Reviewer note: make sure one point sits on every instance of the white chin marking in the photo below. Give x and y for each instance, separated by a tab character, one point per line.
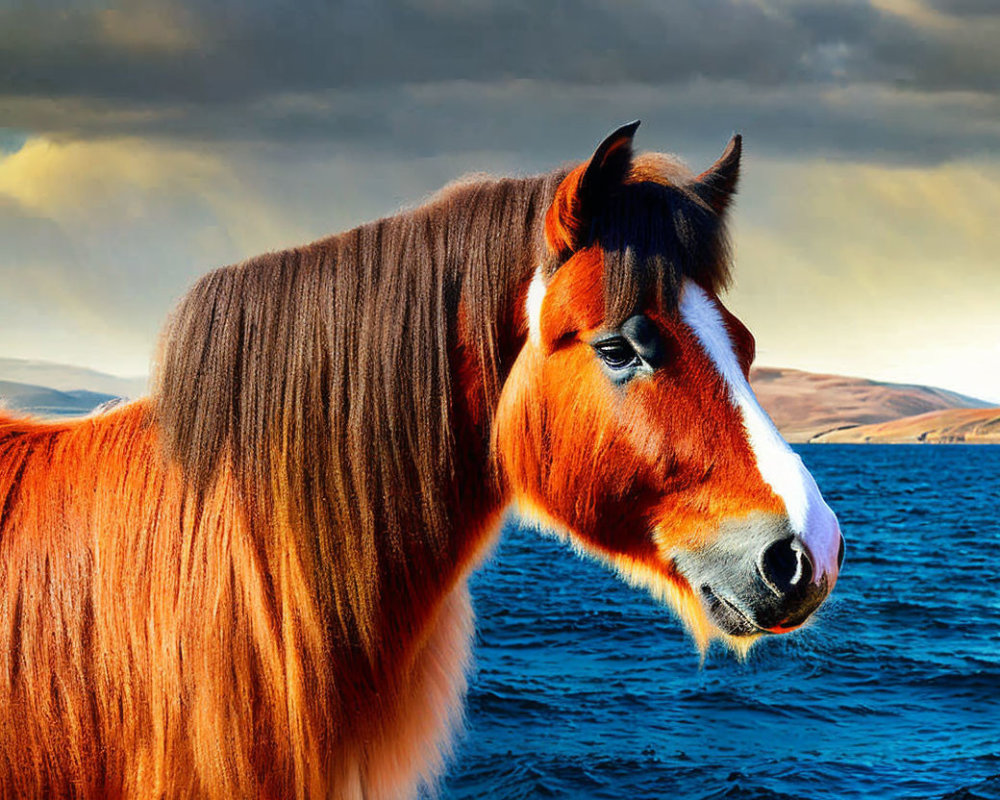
533	306
779	466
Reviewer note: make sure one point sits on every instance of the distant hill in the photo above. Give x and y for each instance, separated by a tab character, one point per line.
48	389
47	402
66	378
954	425
805	405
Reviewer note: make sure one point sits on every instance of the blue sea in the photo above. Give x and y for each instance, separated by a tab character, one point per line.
586	688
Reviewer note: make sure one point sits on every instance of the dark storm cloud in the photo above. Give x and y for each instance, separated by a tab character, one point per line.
548	123
249	50
429	76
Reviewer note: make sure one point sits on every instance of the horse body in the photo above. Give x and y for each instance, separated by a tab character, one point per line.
253	583
150	648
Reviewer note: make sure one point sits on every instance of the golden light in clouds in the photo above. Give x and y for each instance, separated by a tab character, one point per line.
58	178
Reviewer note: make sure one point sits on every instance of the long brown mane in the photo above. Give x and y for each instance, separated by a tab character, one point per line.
321	377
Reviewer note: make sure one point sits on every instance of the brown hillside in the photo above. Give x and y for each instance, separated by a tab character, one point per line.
804	404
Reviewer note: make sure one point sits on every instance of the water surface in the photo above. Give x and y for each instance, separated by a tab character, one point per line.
586	688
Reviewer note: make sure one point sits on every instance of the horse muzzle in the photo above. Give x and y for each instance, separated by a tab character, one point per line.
758	576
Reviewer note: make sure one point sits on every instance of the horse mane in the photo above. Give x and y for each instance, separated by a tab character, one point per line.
321	377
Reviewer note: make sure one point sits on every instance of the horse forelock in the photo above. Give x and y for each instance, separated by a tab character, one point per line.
653	237
653	233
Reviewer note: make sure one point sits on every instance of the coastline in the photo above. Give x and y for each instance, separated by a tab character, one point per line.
950	426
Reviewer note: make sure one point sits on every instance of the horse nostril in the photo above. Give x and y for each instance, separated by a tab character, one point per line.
784	565
840	553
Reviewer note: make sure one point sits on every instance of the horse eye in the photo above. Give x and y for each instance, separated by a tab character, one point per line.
617	353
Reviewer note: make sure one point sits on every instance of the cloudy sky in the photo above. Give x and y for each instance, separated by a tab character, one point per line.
145	143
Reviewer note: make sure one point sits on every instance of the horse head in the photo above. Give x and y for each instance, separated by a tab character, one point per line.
628	422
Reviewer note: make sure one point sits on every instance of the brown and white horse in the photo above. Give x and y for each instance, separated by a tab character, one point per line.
253	583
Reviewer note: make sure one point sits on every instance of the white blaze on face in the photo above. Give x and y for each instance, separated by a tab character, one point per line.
779	465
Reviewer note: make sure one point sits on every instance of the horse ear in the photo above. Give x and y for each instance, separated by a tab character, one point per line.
578	196
717	185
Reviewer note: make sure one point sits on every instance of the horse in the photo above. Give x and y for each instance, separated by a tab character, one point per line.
253	582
